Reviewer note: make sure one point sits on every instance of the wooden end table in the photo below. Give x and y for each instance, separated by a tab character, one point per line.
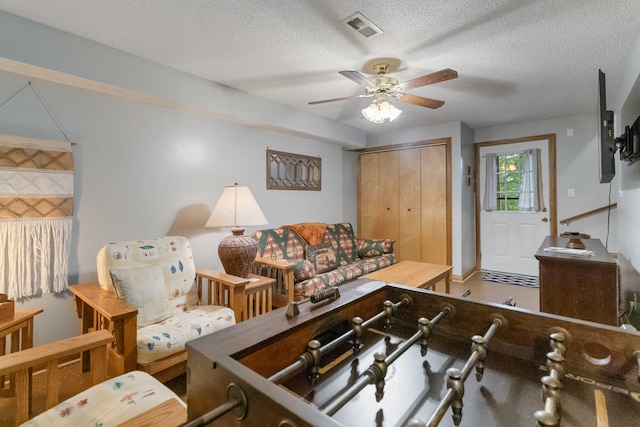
414	273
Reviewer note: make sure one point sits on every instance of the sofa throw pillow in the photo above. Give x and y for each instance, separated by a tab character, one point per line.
143	287
368	248
322	256
303	270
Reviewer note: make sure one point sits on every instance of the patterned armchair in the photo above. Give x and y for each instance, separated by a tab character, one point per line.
150	298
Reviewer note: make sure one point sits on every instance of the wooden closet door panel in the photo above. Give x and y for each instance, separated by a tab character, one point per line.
410	229
368	192
389	197
433	189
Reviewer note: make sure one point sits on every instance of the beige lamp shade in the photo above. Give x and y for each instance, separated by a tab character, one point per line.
236	208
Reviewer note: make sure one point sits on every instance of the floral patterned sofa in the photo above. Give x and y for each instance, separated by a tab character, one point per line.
307	257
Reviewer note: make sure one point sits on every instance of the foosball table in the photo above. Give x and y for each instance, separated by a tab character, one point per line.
379	354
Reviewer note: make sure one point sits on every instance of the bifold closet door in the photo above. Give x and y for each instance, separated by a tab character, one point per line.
379	196
434	210
403	197
368	196
409	244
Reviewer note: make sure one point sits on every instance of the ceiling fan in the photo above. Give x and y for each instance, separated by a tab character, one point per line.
384	86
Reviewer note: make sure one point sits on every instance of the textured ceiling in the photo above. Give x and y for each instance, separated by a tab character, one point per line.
517	60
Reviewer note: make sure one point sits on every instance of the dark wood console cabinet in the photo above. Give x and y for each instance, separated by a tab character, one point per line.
581	287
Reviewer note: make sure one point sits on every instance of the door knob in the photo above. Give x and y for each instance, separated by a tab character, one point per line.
545	219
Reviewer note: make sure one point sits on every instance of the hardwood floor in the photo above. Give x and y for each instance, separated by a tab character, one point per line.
527	298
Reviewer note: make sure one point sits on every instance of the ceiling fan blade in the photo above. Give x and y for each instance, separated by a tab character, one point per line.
339	99
359	78
437	77
421	101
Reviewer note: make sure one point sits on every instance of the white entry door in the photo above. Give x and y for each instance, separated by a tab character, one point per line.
509	239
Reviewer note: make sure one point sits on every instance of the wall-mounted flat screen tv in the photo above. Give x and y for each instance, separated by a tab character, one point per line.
606	140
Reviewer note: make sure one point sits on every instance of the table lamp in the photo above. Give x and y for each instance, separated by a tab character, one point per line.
236	208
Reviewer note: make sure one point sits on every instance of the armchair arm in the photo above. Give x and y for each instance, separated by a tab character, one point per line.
219	284
22	362
282	271
100	309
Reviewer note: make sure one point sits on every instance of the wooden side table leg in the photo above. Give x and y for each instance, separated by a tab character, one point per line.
27	342
447	282
15	347
86	313
27	335
3	351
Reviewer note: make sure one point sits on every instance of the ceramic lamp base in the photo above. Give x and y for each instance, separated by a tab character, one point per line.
237	253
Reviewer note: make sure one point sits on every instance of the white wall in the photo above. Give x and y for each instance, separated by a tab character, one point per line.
467	203
143	171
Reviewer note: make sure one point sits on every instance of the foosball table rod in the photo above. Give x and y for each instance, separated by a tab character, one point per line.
457	377
311	358
377	371
551	384
236	403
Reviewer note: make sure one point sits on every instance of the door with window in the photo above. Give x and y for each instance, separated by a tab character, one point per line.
514	204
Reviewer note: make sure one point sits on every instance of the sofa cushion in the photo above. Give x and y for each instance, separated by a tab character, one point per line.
368	248
280	243
171	253
341	274
109	403
342	237
322	256
303	270
143	287
170	336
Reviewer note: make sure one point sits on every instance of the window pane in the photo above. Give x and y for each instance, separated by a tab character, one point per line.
509	179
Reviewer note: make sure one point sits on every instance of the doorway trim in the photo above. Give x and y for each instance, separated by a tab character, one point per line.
553	209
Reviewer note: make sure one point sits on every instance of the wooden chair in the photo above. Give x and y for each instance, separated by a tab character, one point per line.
22	363
99	307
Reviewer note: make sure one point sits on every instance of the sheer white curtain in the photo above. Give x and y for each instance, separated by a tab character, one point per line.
531	198
490	202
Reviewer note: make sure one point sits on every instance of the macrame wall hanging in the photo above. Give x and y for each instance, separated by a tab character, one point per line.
36	212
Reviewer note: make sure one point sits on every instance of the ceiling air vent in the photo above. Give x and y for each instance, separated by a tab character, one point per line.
358	22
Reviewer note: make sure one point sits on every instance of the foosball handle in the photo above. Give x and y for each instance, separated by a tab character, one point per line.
292	310
356	324
456	383
632	353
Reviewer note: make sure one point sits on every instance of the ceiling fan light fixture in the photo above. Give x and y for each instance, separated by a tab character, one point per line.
379	111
